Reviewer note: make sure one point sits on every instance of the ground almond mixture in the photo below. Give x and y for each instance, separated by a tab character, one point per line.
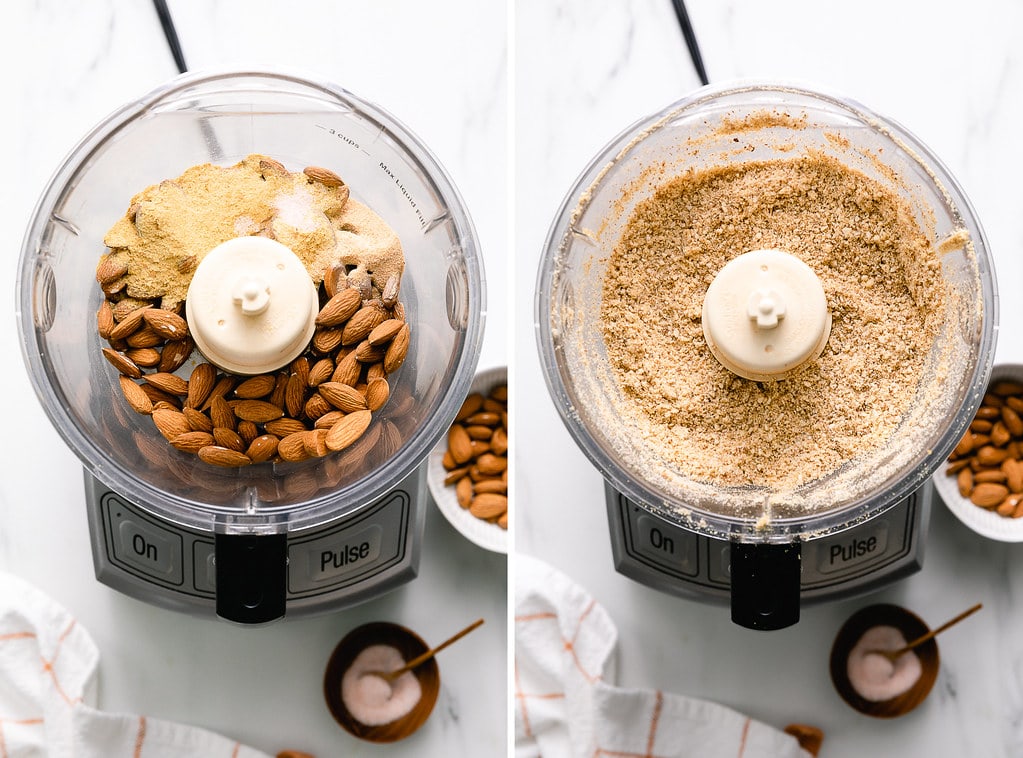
883	286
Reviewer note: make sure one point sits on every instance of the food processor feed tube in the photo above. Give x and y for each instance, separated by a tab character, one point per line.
765	316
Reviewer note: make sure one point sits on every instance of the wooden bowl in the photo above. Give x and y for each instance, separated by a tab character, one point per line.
911	627
410	645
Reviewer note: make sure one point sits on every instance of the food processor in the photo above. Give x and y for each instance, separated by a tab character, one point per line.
853	530
253	543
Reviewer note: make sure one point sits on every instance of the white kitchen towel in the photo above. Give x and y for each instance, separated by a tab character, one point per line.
566	703
48	666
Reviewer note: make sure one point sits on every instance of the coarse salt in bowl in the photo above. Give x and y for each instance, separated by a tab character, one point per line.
985	522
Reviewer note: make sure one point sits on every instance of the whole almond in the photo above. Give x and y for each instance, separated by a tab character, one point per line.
168	325
315	443
198	420
384	332
222	456
292	447
334	277
1000	433
270	166
171	383
490	464
248	431
965	446
171	423
256	387
263	448
122	363
339	308
316	406
470	405
991	475
158	396
484	418
457	475
389	296
280	390
464	491
322	175
347	371
480	432
377	393
200	384
320	372
366	353
174	355
224	385
488	505
105	319
988	412
988	495
500	393
294	395
192	442
258	411
136	397
459	444
490	485
1013	470
990	456
110	269
146	357
228	438
361	324
499	442
1012	421
221	413
145	336
328	419
342	397
284	427
346	431
397	350
326	340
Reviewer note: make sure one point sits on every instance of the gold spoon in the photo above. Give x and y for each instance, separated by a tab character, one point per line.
893	655
390	676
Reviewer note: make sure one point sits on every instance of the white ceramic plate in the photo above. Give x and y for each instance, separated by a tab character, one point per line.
483	533
982	521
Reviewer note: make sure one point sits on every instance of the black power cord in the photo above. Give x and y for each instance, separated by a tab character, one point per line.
171	34
690	37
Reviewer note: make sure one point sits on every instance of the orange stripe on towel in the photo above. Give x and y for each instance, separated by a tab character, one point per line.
742	741
658	705
17	636
140	737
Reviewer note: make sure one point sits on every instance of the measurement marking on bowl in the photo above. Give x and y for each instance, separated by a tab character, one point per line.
66	224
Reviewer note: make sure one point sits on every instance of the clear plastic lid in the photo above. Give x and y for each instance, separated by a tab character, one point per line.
221	118
724	125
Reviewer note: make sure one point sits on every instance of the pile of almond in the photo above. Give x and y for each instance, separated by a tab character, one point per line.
477	456
988	461
322	402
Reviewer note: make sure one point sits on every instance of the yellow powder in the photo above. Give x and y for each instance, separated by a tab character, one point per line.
171	226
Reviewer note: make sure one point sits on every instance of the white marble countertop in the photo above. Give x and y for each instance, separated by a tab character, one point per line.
951	74
64	67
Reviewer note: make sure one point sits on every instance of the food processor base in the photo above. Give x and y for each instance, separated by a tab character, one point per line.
353	558
861	559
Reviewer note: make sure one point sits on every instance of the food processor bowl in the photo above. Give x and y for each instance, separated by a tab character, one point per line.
723	125
221	117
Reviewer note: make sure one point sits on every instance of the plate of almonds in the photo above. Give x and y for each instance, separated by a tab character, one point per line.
468	470
982	481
